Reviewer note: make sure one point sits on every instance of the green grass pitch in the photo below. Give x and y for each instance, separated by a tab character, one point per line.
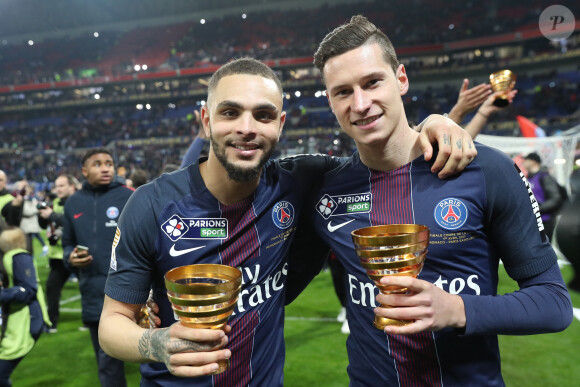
315	348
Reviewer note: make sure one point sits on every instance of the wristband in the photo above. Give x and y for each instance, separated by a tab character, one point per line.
478	112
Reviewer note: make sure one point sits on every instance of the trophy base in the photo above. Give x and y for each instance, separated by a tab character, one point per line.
382	322
222	366
501	102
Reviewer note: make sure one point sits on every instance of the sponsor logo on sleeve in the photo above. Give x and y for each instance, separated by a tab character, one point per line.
115	243
195	228
535	204
450	213
336	205
283	214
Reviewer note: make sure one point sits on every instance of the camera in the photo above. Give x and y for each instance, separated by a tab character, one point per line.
53	239
42	205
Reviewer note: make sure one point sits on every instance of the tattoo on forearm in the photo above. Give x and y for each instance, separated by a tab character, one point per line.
459	144
189	346
145	344
446	139
470	143
157	345
152	344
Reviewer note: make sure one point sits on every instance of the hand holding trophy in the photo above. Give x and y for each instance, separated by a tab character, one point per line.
394	249
502	81
204	296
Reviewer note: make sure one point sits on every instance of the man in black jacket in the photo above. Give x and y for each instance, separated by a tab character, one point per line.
90	221
50	217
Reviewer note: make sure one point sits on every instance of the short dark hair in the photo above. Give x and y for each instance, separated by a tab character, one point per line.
95	151
534	157
244	65
354	34
139	177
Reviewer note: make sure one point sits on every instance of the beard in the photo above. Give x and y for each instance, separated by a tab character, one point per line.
235	172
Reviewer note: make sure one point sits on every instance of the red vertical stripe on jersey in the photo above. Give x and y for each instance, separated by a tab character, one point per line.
239	373
415	355
242	242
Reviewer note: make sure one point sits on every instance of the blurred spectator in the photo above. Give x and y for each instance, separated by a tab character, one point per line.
24	315
486	109
89	225
468	100
29	223
50	217
137	178
10	205
546	190
568	230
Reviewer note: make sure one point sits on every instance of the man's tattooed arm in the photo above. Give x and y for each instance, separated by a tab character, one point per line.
157	345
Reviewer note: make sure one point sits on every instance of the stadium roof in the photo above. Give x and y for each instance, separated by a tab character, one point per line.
24	19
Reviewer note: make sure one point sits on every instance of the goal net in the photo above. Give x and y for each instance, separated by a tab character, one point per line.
557	152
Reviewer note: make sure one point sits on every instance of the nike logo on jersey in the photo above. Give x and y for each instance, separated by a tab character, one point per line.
76	216
332	228
177	253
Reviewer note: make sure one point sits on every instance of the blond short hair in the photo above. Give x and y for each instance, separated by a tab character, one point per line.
12	238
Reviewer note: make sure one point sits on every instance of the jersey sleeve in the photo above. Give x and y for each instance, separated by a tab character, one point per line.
193	152
513	218
541	305
133	250
513	223
307	256
309	169
308	251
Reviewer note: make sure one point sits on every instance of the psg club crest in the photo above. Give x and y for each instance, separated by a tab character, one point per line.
174	228
450	213
112	212
283	214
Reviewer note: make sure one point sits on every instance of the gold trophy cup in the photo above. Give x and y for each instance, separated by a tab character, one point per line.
204	296
503	81
394	249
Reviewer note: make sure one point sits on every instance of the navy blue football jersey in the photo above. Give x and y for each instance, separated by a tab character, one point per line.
175	221
475	219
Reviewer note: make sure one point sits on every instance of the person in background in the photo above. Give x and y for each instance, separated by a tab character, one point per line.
24	315
29	223
89	224
568	230
546	191
137	178
469	99
10	204
50	217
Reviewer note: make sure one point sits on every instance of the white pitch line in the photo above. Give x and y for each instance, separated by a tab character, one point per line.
71	310
316	319
69	300
577	313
